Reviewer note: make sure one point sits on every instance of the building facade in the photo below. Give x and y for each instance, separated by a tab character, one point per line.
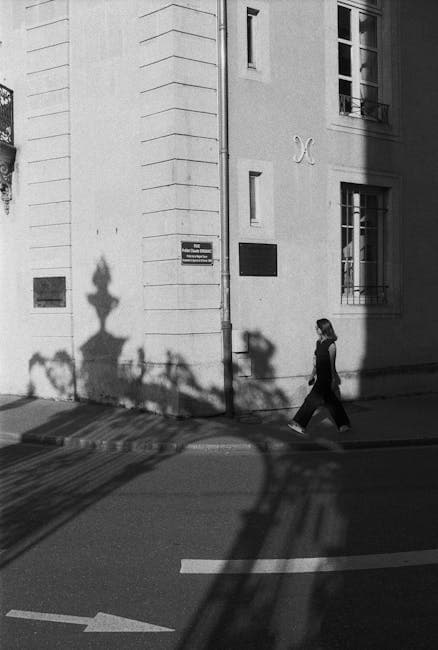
191	184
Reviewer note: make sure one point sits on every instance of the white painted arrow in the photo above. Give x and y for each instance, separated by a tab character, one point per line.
313	564
100	623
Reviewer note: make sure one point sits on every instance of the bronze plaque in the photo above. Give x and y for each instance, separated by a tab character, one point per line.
258	259
49	292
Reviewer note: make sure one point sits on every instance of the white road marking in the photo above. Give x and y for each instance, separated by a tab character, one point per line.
100	623
312	564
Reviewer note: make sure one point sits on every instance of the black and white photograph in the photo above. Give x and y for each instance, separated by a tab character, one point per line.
219	324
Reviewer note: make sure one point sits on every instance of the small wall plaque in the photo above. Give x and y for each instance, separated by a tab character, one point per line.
196	252
258	259
49	292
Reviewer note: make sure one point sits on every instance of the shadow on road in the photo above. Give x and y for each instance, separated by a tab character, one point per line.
296	512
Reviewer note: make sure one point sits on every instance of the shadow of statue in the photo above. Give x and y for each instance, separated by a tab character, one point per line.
99	378
257	389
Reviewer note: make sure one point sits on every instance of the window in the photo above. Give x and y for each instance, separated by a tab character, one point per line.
251	36
254	198
49	292
253	40
363	224
359	64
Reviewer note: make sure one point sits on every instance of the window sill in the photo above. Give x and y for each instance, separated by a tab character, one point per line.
50	310
368	311
364	126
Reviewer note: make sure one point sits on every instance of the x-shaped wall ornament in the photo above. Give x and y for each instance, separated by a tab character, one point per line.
304	150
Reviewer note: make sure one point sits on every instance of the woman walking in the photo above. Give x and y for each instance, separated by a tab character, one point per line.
325	387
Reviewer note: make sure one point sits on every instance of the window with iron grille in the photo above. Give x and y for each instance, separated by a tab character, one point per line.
359	62
363	226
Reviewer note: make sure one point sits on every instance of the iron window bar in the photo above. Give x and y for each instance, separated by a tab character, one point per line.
364	107
6	115
364	294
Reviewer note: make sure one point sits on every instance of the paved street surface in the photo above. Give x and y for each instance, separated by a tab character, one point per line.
89	531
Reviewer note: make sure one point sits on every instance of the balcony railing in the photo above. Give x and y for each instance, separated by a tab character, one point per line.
6	115
364	108
365	294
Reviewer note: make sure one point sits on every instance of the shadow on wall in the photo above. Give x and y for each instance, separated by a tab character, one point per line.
170	388
296	512
255	387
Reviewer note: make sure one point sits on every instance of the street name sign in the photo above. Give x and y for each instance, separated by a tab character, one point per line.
197	252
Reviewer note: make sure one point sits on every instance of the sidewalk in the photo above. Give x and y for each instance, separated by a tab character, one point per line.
400	421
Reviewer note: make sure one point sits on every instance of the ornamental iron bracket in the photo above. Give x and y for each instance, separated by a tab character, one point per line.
7	161
7	149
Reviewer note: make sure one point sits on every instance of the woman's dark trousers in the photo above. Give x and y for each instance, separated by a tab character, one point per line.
322	395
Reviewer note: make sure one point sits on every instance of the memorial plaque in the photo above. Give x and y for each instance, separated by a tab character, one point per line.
258	259
196	252
49	292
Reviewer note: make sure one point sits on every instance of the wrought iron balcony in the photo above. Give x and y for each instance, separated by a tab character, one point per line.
364	108
7	149
6	115
364	294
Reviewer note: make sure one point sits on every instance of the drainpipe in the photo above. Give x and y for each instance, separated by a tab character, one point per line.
224	206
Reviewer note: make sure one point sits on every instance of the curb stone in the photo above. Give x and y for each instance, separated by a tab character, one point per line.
321	445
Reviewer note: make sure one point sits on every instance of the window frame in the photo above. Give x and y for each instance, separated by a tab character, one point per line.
355	78
365	296
255	202
259	69
264	229
390	69
252	19
392	185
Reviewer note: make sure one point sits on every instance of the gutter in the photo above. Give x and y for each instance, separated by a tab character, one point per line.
224	207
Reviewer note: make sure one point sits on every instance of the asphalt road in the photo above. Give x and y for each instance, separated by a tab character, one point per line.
85	532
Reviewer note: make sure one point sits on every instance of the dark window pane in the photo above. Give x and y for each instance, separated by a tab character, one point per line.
372	201
251	15
249	20
368	276
343	195
368	30
345	87
347	274
368	65
347	243
368	219
344	213
369	98
344	59
368	246
344	96
344	30
254	179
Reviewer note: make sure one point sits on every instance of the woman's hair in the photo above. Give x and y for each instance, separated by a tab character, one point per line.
326	328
